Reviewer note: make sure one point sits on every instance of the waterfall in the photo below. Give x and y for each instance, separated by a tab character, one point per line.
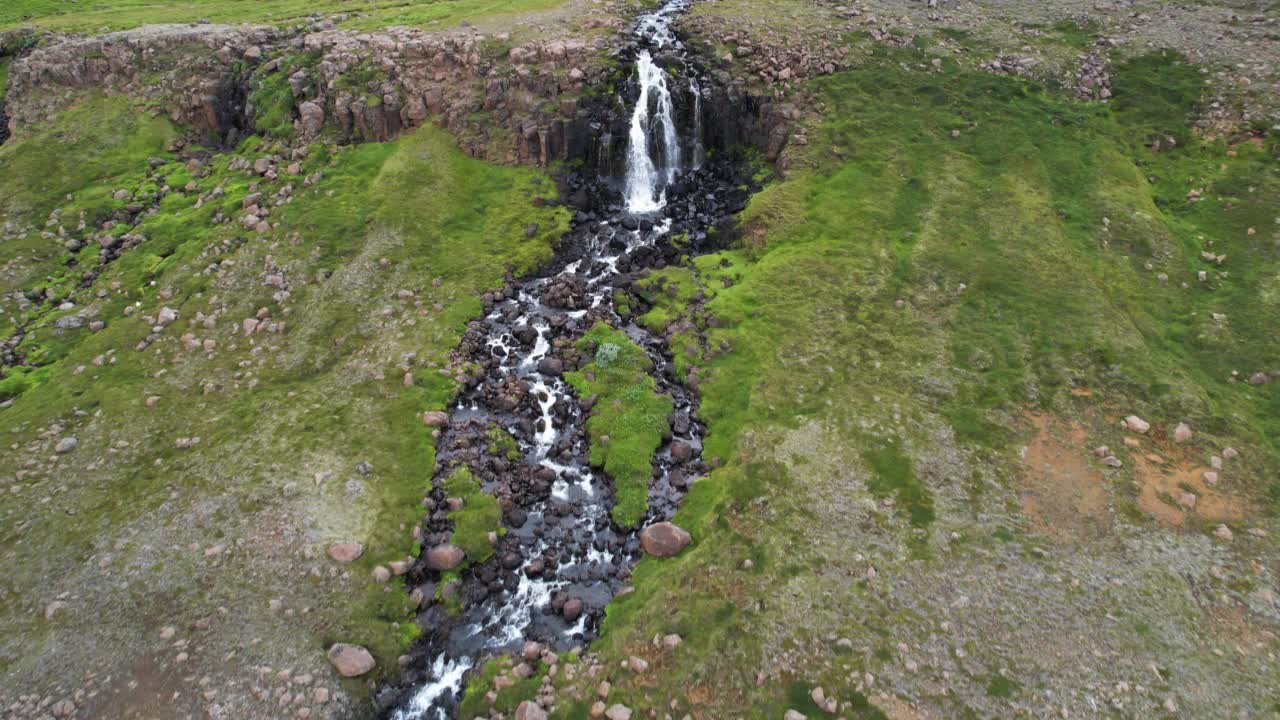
653	132
699	152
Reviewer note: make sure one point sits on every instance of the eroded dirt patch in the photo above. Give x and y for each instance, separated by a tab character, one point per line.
1172	491
1064	497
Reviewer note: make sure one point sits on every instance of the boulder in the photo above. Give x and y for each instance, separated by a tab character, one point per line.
312	116
618	712
435	418
345	552
1137	424
664	539
1182	433
572	609
66	445
445	557
350	660
529	710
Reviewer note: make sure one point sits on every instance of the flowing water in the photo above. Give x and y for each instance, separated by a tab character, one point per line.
560	541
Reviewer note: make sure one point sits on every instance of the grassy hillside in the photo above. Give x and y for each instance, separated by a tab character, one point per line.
963	267
304	434
71	16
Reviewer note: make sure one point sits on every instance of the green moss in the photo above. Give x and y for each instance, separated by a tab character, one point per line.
98	146
1001	687
502	443
479	516
629	419
892	475
272	99
1156	95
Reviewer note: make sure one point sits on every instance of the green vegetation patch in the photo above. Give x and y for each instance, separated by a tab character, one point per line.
479	516
629	419
892	475
364	14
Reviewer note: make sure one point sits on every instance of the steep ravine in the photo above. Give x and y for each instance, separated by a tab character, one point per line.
672	188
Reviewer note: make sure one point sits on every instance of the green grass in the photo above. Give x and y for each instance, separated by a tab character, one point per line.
68	16
892	475
414	214
628	420
479	516
98	146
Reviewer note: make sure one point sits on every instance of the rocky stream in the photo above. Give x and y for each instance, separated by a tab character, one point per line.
562	557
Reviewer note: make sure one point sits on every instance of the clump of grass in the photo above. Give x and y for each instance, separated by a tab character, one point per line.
479	516
892	475
272	98
629	419
503	444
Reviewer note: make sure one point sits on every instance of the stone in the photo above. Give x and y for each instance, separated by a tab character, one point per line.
529	710
400	567
671	642
345	552
435	418
793	715
532	650
445	556
664	539
66	445
1182	433
1259	378
681	451
312	117
618	712
381	574
166	316
350	660
1230	453
824	703
63	708
1187	500
1137	424
572	609
603	689
1210	477
1112	461
1222	532
637	664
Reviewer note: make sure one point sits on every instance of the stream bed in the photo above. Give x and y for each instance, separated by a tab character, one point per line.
562	558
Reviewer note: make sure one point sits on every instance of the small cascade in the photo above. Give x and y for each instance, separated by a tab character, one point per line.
653	152
699	151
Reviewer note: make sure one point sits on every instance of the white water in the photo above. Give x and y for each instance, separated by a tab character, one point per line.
651	125
448	674
653	147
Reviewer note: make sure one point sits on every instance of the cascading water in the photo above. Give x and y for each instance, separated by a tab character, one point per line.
653	151
653	132
559	540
